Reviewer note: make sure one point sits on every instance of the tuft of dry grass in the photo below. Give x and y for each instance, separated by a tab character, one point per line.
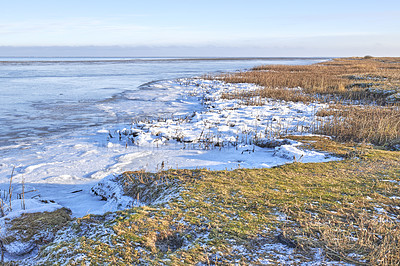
30	225
34	229
150	187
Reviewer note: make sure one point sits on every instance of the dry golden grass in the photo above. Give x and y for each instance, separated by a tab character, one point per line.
255	97
377	125
341	79
375	241
371	83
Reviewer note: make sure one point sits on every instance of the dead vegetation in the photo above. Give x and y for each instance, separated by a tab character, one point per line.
349	237
32	230
376	125
148	188
29	225
363	93
363	80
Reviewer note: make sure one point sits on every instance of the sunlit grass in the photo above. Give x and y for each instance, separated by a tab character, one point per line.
347	208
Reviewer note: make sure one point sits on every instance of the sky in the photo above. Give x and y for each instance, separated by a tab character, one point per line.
200	28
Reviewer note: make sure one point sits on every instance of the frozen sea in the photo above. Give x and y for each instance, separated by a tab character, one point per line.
55	115
49	96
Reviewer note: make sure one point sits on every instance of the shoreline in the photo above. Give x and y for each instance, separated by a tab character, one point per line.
152	59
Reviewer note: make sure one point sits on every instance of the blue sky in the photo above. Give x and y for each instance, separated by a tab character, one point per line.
243	28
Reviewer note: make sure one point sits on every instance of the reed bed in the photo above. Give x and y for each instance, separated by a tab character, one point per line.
376	125
364	94
351	79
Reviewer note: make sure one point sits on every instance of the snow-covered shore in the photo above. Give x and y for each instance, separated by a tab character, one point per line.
210	132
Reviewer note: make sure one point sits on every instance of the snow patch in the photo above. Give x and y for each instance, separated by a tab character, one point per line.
111	192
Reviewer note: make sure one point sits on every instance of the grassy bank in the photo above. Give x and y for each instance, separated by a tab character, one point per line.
344	211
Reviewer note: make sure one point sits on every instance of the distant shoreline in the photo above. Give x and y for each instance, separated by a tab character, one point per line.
143	59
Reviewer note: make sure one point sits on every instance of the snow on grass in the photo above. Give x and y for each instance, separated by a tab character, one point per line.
206	131
23	231
224	122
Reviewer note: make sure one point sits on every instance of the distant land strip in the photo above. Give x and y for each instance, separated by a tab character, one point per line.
133	60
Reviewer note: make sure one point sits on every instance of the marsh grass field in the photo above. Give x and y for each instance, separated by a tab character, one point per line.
363	93
337	212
